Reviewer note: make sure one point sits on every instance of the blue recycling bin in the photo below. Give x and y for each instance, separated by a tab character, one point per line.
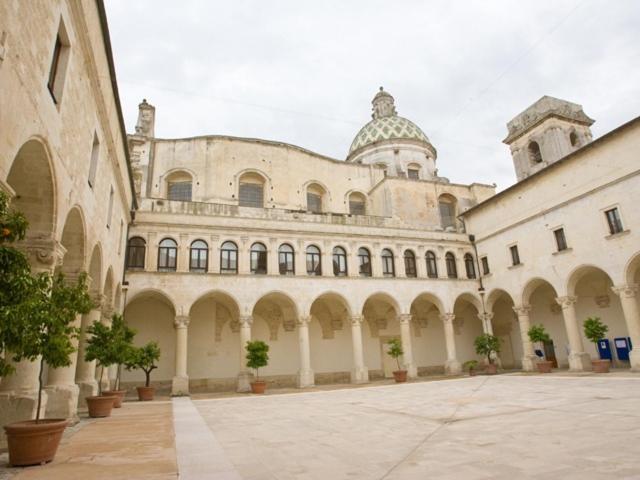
622	348
604	349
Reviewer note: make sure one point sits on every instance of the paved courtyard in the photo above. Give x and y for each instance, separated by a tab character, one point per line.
500	427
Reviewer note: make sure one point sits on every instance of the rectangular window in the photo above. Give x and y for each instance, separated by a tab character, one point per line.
93	165
447	214
314	203
356	207
561	241
515	256
413	174
485	265
110	211
59	61
251	195
180	191
614	221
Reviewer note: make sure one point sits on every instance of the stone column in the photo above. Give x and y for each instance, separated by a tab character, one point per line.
376	263
529	358
399	263
353	266
151	263
579	361
244	256
244	376
305	374
452	366
421	263
273	266
300	258
86	371
183	253
214	254
180	382
629	300
111	371
326	260
405	336
359	373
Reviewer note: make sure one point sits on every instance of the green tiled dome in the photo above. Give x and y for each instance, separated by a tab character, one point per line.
387	128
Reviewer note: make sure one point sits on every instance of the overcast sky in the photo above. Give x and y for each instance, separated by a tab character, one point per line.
305	72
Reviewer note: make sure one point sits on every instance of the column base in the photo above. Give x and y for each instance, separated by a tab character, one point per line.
244	382
634	360
19	406
452	367
579	362
62	401
87	389
529	363
180	386
306	378
412	371
360	375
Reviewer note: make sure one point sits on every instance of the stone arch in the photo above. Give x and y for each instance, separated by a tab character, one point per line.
74	241
256	177
495	295
319	189
384	296
471	298
332	311
380	312
532	285
632	270
505	326
32	178
580	272
428	335
95	268
117	298
467	325
178	175
108	290
153	292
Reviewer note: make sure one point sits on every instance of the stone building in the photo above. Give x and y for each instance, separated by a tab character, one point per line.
325	259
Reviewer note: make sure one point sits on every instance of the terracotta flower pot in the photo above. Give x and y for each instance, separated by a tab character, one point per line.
259	386
32	443
100	406
119	394
491	369
146	394
400	376
600	366
544	366
472	372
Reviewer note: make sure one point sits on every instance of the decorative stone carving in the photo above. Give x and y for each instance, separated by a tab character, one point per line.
523	310
234	325
626	291
146	119
181	321
356	320
566	302
555	308
603	301
44	254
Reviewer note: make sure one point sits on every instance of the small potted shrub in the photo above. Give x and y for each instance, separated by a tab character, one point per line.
595	330
122	337
257	357
144	358
101	348
395	351
487	344
537	333
470	366
37	313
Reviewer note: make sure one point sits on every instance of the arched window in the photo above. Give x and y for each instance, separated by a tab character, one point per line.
469	265
535	155
251	191
388	267
314	266
432	266
357	204
364	262
450	260
315	197
286	260
447	207
199	256
136	252
413	171
410	264
339	262
258	258
229	258
167	255
573	138
179	187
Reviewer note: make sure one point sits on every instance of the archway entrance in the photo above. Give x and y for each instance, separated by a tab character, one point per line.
380	313
427	331
506	327
467	326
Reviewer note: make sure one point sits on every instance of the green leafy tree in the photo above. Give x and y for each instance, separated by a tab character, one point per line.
470	365
395	350
487	344
101	347
537	333
123	336
144	358
595	330
257	355
37	312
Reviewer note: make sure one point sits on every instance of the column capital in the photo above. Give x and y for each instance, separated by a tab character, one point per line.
181	321
485	316
448	317
107	313
522	310
356	320
245	320
98	300
404	317
626	291
304	320
567	301
44	254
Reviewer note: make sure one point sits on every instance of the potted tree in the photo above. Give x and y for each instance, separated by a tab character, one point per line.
487	344
100	347
470	366
144	358
257	357
37	313
537	333
122	337
395	351
595	331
